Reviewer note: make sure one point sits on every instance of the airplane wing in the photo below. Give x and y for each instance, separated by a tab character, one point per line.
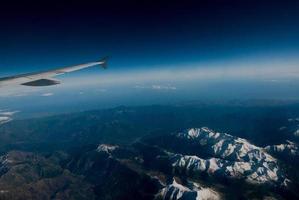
46	78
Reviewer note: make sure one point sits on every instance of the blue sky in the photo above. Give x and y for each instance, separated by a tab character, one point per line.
160	52
145	35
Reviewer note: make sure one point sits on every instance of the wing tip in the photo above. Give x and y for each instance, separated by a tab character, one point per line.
104	62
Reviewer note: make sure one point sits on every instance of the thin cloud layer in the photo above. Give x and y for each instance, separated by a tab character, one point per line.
157	78
17	91
261	71
4	119
47	94
8	113
156	87
6	116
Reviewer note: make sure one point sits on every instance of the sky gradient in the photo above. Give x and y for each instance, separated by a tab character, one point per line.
37	36
160	52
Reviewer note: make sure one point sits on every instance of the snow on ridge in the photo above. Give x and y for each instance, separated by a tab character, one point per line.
193	191
232	157
106	148
290	148
294	126
250	171
293	119
226	146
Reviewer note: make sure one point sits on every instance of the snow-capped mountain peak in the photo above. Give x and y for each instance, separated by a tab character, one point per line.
230	156
193	191
106	148
289	149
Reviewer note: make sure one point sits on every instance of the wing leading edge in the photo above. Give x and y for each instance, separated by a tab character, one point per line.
46	78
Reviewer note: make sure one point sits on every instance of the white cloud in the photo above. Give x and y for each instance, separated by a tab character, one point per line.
6	116
101	90
47	94
163	87
271	70
7	113
17	91
277	80
156	87
4	120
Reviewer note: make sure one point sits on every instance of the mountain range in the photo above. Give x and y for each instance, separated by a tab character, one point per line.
77	156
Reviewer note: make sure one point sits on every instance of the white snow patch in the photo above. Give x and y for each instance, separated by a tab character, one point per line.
106	148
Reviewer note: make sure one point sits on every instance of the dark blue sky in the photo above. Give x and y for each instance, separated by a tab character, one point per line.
167	52
37	36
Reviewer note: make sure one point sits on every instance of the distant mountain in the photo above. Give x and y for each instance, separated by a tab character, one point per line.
124	125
